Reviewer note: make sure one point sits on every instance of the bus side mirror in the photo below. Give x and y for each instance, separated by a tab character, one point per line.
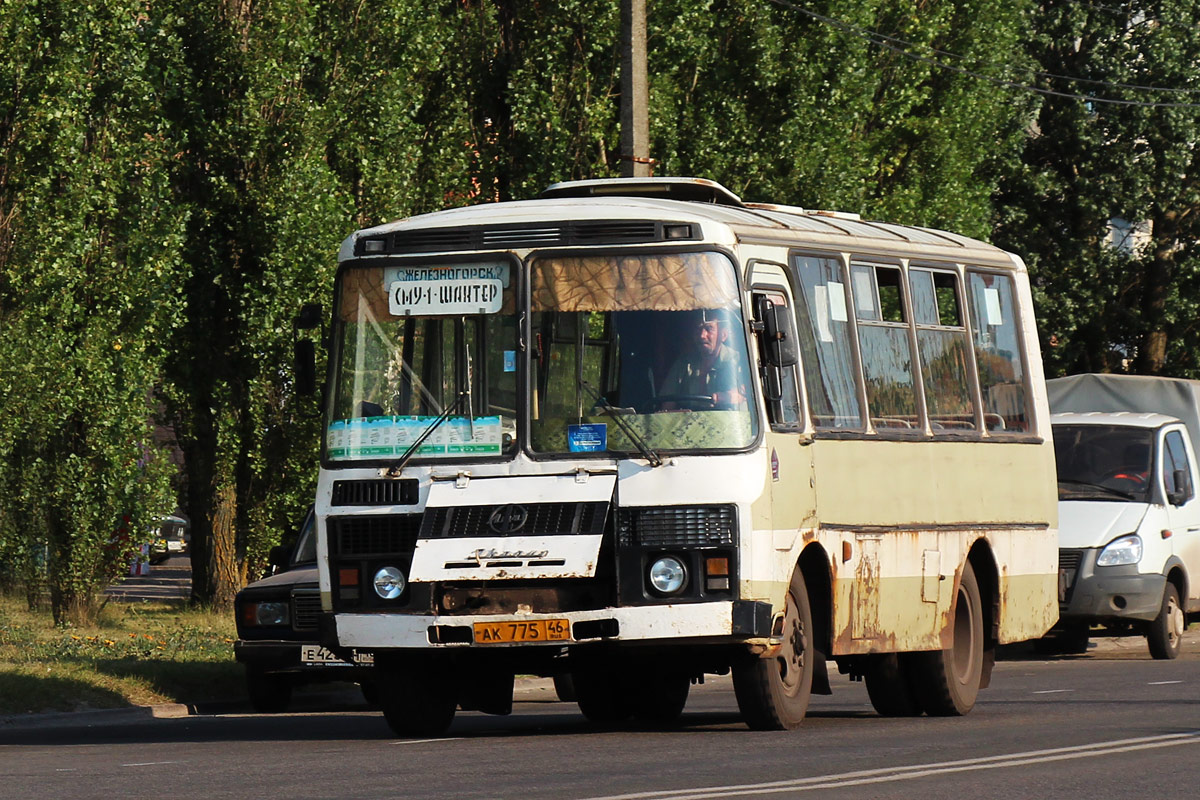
306	366
779	339
308	318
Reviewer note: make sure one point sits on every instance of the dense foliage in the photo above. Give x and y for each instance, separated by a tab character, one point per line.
176	176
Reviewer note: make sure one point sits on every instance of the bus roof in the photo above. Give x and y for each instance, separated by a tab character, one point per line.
622	211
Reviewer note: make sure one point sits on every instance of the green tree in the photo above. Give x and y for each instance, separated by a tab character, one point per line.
1122	144
89	247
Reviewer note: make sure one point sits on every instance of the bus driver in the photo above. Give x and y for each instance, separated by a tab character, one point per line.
710	370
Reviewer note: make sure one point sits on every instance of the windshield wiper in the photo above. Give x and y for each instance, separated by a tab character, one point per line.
611	410
394	470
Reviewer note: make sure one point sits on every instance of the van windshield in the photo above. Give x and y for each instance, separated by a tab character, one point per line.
1104	462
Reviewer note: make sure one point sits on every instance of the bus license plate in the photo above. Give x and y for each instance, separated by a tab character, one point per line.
537	630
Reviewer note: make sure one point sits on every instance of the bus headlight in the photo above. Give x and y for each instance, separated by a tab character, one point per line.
389	583
668	575
1125	550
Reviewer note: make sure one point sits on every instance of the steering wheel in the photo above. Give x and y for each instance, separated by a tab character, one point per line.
694	402
1136	478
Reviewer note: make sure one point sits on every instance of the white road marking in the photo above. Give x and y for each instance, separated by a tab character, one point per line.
890	774
423	741
1162	683
1053	691
151	763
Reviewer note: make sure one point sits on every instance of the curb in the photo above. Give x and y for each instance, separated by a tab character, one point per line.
95	717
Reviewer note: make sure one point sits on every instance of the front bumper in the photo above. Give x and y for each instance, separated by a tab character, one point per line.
1106	594
713	623
276	656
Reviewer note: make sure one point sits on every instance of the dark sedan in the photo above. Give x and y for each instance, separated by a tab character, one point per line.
277	630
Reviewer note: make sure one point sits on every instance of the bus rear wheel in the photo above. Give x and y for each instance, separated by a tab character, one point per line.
948	680
773	692
417	703
891	686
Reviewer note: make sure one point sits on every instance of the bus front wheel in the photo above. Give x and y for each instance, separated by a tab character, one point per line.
417	703
948	680
773	692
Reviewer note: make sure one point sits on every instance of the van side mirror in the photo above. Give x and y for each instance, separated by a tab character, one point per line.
306	366
779	338
1183	487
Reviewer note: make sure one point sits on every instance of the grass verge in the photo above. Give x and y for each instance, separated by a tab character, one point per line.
136	654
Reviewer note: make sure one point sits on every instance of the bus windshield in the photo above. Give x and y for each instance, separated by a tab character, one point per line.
638	353
422	350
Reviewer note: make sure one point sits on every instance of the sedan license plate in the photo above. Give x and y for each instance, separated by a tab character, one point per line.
537	630
314	655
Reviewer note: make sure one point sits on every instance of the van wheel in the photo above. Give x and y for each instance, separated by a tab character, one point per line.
417	703
890	686
269	694
773	693
1165	636
948	680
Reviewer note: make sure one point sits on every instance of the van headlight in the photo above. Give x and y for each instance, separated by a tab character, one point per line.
1125	550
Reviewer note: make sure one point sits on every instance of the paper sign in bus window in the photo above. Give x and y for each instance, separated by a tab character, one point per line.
428	298
992	300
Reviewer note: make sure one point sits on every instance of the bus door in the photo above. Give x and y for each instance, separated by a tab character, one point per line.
790	489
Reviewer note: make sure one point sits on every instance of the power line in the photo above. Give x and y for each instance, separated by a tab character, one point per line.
897	46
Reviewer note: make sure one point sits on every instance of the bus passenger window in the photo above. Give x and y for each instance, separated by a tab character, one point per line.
826	349
886	354
998	352
942	345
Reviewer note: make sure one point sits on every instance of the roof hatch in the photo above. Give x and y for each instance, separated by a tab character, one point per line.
698	190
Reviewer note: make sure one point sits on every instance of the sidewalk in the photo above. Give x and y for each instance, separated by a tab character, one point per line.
170	580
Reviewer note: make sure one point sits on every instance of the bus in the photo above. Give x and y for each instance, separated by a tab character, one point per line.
637	431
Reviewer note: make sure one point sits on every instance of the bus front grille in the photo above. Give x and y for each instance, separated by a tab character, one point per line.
678	526
374	535
515	519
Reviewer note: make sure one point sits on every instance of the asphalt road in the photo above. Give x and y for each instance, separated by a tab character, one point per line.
1112	724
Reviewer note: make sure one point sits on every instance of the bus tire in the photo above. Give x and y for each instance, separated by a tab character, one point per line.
603	695
891	687
269	694
417	703
661	698
1165	635
948	680
773	692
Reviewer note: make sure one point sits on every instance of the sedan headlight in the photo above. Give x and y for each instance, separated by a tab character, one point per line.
1125	550
275	613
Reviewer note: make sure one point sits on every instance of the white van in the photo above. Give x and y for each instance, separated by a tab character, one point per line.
1129	520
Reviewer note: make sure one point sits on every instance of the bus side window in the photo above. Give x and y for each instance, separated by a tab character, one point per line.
942	346
886	354
779	383
826	346
998	352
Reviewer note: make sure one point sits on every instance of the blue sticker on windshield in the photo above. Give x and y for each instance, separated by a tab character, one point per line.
510	360
587	438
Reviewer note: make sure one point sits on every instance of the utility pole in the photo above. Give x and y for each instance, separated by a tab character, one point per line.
635	117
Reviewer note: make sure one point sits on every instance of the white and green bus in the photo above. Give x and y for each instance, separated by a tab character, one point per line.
637	431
